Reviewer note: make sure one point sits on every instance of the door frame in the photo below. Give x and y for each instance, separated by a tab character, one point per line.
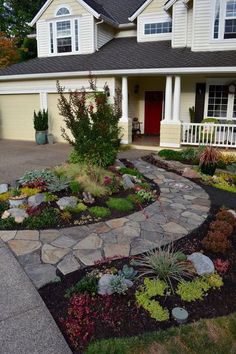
163	105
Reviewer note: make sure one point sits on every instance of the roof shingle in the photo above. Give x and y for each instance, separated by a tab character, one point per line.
125	53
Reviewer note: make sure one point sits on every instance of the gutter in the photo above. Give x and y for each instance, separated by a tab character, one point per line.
126	72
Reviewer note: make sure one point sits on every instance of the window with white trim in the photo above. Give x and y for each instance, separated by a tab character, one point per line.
63	11
64	37
224	22
221	102
158	28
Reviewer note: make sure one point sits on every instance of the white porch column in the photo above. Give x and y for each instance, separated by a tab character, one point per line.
168	99
125	103
176	101
125	122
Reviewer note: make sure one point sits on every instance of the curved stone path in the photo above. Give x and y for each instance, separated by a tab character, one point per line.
182	207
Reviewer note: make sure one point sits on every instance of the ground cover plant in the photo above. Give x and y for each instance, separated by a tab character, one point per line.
74	194
131	296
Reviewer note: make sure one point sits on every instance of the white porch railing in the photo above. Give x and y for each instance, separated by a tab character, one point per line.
222	135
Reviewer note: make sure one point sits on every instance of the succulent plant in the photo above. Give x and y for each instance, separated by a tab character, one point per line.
128	272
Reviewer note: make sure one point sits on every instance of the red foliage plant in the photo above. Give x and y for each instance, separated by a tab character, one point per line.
33	211
225	215
36	184
221	266
216	242
222	226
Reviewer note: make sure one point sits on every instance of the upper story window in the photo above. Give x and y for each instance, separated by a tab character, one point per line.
224	19
64	37
158	28
63	11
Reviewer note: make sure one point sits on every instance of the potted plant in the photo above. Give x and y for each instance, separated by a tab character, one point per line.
41	126
16	198
208	160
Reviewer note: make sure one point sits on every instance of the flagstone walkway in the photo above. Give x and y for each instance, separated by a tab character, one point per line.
183	206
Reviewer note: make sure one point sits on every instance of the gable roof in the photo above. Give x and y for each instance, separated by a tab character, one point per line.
125	56
113	11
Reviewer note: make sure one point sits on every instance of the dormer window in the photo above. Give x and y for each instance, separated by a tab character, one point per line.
63	11
64	39
224	19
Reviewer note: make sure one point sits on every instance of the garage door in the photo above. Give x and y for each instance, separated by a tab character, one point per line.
16	116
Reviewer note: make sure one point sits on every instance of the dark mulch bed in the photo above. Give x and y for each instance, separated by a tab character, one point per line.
218	197
128	319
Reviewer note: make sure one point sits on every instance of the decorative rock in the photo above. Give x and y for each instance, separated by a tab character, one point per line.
175	228
180	314
3	188
202	264
88	257
36	199
91	242
21	247
127	182
68	265
41	274
53	255
117	250
104	284
67	202
87	198
16	213
190	173
30	235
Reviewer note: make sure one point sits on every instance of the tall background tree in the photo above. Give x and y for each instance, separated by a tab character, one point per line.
14	18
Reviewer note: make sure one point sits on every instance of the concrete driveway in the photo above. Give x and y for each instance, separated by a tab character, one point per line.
18	156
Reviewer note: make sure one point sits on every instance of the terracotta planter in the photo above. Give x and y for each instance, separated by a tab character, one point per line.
17	202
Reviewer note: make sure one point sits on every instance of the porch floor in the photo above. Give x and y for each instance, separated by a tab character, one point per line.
146	142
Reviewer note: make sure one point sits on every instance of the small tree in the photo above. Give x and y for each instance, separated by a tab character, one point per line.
8	51
93	123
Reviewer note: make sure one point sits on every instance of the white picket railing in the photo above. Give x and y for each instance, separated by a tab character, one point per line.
222	135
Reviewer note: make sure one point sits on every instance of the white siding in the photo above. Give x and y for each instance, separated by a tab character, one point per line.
203	26
154	12
180	22
105	34
126	33
43	40
190	28
87	36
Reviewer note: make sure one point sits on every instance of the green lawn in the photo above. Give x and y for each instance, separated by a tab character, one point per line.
215	336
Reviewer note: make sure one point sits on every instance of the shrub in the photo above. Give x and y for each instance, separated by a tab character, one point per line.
41	120
128	272
146	196
100	212
45	176
49	217
94	127
144	295
66	216
3	207
4	197
58	184
216	241
222	226
134	199
120	204
170	154
221	266
163	263
8	224
75	187
88	284
197	289
130	171
225	215
80	207
49	197
30	191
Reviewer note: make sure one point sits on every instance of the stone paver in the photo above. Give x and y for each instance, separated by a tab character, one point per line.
182	207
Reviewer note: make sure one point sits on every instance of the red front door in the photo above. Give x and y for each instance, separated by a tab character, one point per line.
153	112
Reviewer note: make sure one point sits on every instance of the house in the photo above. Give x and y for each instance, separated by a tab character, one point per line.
166	56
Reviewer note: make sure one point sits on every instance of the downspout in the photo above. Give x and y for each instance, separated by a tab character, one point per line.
96	33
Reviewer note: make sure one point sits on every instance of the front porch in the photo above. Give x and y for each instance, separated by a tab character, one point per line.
161	104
